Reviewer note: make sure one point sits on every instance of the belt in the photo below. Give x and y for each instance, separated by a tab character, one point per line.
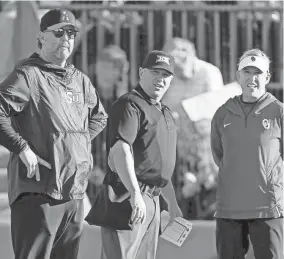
151	190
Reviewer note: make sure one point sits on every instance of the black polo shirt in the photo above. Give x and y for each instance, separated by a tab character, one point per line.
148	127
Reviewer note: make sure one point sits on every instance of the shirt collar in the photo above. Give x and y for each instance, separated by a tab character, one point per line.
148	99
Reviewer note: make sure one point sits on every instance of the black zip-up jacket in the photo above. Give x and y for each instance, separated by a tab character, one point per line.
56	112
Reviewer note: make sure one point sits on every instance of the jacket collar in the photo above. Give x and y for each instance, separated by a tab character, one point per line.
234	104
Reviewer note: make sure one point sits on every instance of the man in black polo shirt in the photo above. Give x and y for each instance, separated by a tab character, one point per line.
142	153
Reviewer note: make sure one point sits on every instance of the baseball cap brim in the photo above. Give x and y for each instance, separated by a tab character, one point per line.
160	67
254	61
62	24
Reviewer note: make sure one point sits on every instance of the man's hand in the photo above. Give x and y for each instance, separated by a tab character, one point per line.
30	160
138	208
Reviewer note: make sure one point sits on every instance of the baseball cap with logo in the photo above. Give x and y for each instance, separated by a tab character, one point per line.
159	59
260	62
57	18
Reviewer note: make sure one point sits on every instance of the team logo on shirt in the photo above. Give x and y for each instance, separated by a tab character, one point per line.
266	124
70	97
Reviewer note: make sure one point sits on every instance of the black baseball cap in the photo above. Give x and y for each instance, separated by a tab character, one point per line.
57	18
159	59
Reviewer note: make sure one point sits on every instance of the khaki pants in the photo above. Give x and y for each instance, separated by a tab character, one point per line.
139	243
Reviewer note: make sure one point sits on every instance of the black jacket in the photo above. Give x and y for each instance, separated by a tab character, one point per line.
57	112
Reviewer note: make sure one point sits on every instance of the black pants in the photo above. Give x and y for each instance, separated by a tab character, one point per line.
44	228
266	236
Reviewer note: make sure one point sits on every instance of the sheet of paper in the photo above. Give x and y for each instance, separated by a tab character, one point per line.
177	231
205	105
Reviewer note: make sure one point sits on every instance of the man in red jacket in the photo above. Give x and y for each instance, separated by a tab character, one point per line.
55	113
247	146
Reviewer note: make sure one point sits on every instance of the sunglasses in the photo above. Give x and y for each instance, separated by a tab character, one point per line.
60	32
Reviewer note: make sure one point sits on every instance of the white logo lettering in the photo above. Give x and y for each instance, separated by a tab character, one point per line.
70	97
163	59
225	125
64	16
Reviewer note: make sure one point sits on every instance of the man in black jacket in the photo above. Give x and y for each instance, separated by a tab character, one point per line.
49	113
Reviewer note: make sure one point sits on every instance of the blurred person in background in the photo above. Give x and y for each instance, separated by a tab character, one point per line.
193	75
111	81
111	73
195	171
247	146
49	113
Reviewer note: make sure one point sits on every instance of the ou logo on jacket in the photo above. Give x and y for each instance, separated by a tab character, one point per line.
70	97
266	124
